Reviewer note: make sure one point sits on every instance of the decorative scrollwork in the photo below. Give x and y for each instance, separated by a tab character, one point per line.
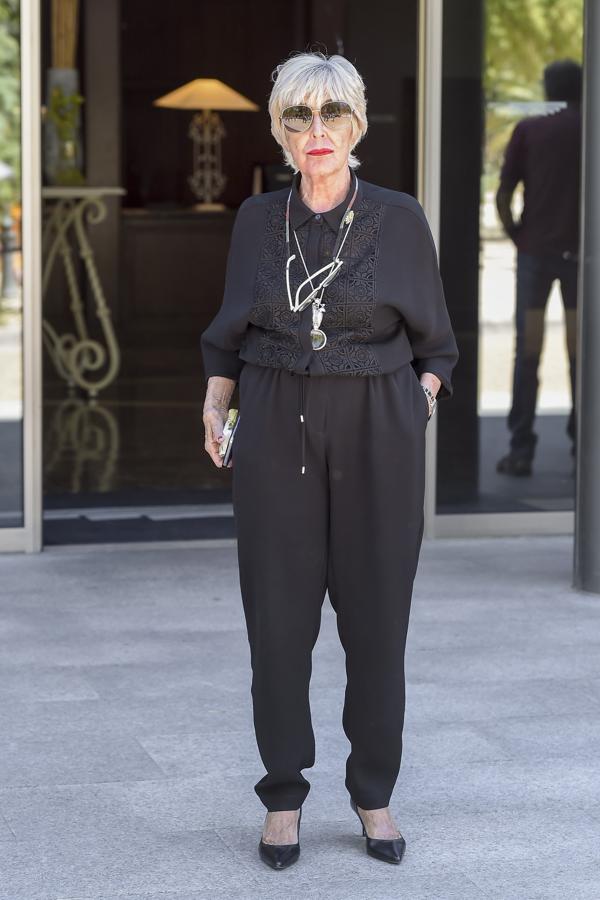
77	355
89	434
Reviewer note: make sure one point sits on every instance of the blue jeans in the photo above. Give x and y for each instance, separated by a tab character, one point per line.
535	276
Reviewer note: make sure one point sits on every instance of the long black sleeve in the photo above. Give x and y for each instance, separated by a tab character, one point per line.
421	298
221	341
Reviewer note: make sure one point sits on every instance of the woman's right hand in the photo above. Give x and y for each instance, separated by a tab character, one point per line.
214	415
214	420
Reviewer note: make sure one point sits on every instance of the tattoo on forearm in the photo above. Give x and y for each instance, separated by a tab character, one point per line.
218	395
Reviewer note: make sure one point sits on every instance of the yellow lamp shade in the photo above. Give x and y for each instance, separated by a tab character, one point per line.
206	93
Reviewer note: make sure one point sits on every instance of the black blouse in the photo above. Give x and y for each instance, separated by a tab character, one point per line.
385	308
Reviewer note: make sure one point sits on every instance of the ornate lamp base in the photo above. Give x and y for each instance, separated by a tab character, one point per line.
207	181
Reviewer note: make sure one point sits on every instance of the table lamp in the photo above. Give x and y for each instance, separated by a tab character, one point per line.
207	131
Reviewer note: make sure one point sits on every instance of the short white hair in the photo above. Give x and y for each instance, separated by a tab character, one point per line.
314	78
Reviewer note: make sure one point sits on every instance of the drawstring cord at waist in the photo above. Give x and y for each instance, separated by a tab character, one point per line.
302	426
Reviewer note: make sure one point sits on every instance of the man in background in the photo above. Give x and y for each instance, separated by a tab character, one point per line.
544	152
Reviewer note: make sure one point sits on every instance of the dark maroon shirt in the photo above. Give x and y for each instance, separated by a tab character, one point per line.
544	152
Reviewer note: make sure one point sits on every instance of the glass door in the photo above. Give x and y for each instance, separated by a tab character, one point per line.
20	500
509	188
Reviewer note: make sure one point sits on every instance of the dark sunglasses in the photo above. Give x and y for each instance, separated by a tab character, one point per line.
334	114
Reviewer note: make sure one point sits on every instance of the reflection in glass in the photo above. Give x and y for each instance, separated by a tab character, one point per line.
518	318
11	353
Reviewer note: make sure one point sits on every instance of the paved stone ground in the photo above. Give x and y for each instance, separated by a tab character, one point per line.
127	756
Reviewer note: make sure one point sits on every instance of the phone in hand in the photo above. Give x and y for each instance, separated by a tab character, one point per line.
229	429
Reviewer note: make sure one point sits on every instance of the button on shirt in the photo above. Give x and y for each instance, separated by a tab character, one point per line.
385	308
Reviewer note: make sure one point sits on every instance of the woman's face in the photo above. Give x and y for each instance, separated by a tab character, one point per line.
318	137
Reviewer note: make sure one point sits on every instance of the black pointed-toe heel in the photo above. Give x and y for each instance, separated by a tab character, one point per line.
280	856
390	851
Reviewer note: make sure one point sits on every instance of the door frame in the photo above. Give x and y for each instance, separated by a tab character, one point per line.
28	538
429	155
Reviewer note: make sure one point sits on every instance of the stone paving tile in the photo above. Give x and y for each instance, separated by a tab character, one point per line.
240	893
118	864
555	879
128	759
6	832
143	645
337	856
72	757
502	663
455	887
44	684
529	737
189	677
495	700
509	784
472	840
157	806
138	716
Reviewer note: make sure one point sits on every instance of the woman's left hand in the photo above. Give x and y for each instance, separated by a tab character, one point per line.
433	383
214	415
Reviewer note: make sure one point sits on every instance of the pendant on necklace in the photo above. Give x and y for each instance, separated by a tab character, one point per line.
317	335
318	338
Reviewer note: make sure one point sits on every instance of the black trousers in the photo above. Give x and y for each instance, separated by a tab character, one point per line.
351	525
535	277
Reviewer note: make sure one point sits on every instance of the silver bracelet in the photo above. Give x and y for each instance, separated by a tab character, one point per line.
430	397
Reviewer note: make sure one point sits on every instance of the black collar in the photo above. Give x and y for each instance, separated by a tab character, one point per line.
301	213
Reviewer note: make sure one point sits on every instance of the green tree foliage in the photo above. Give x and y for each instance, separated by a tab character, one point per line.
10	99
521	38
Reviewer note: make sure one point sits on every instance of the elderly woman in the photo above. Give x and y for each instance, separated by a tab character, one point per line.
334	324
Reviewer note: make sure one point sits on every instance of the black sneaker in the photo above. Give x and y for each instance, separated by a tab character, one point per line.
514	465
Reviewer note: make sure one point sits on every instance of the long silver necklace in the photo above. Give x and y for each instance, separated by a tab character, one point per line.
317	335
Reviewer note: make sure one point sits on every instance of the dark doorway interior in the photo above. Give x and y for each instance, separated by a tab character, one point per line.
131	465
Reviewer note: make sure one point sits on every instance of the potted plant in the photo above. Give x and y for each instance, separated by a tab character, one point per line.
63	112
63	154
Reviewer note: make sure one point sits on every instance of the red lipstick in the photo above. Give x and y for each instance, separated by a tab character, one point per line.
322	152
